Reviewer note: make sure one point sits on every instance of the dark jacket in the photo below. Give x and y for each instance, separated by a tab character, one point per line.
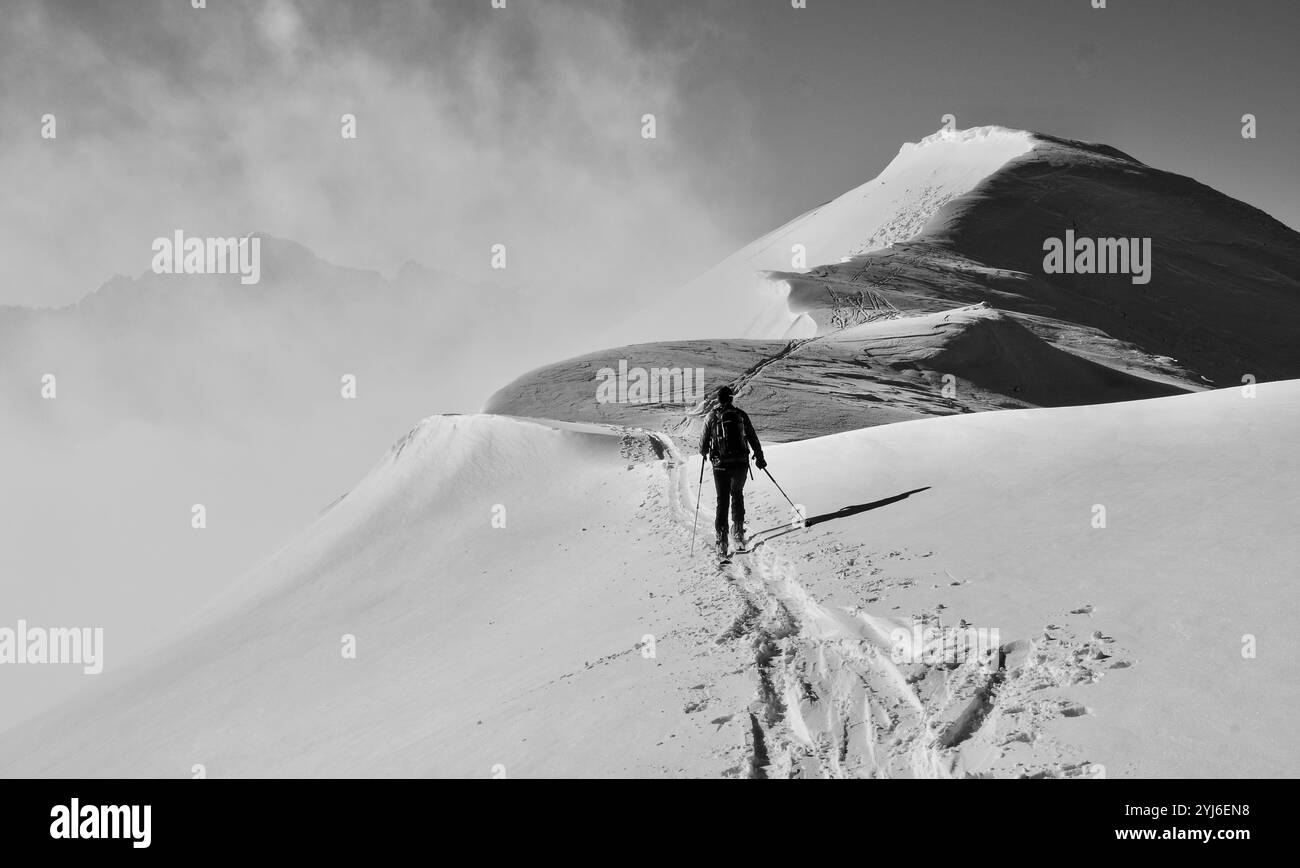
750	437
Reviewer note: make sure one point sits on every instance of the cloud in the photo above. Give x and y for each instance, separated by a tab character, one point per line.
280	24
475	126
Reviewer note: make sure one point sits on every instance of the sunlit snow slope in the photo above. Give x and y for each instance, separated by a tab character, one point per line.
523	603
892	207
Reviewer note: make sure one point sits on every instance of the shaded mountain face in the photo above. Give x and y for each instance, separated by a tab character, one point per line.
956	228
1222	302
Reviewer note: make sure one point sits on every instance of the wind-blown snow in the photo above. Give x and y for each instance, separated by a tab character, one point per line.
894	206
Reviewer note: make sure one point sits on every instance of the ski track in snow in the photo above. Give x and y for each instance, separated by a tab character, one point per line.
695	416
831	702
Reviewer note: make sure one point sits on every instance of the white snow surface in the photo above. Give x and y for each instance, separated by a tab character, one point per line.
524	649
894	206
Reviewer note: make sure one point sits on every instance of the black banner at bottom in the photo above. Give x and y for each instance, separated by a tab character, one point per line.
334	817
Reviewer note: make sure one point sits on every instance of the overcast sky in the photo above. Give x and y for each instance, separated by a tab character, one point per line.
523	126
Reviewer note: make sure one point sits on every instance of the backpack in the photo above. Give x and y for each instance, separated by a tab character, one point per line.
729	446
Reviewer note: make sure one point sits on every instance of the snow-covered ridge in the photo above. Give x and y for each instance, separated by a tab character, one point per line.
971	135
894	206
518	642
444	458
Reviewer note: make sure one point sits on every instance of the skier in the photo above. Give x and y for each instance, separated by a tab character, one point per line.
728	434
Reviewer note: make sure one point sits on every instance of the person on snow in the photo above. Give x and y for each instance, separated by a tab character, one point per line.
728	436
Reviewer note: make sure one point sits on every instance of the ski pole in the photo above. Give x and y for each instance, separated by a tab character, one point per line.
780	489
698	491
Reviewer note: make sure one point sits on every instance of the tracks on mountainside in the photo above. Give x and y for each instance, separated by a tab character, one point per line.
700	410
742	382
827	696
831	698
884	310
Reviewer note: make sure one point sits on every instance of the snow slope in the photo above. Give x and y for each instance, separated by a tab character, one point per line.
892	207
1223	299
1125	642
477	645
174	390
522	650
963	360
899	202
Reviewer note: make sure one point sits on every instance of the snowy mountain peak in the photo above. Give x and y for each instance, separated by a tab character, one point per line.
972	135
893	207
896	204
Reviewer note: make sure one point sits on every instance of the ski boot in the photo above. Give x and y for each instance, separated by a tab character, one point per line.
740	543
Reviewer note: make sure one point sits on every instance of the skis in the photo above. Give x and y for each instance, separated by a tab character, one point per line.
725	560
